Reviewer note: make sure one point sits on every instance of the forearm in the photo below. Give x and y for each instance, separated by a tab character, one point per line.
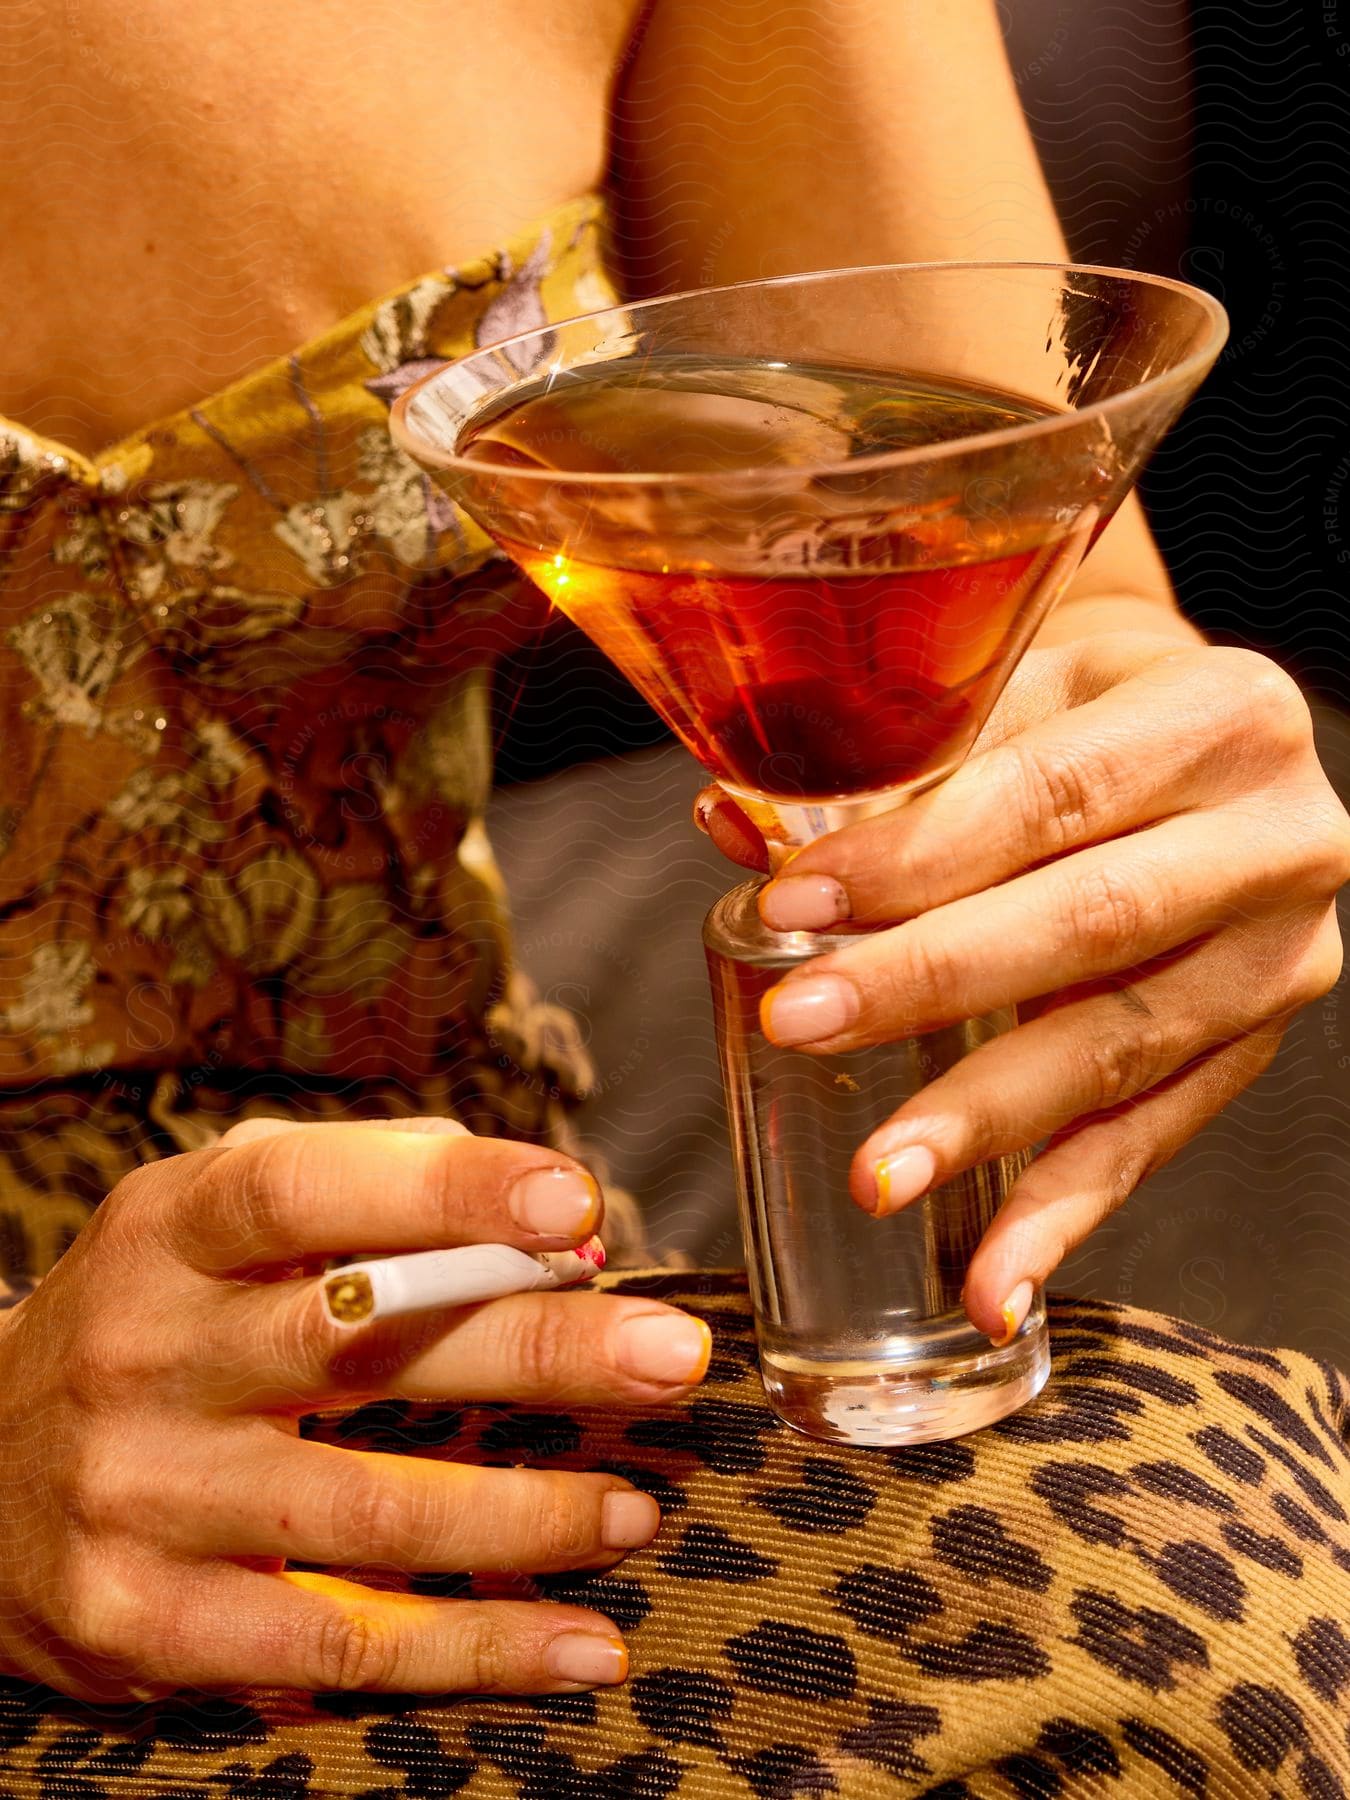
763	137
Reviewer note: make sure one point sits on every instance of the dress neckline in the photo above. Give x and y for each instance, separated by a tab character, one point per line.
565	222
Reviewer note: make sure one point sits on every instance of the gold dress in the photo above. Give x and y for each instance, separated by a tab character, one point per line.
244	668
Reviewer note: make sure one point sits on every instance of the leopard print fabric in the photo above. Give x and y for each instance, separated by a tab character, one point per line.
1137	1587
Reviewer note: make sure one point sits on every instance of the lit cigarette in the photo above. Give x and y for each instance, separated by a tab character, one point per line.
360	1292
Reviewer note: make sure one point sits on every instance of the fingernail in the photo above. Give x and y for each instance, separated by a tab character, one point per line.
666	1347
555	1202
903	1176
808	1012
587	1658
803	903
1014	1309
628	1519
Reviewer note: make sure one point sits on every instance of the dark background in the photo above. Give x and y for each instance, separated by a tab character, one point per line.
1209	141
1250	494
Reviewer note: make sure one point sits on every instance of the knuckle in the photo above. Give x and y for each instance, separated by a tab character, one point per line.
540	1348
86	1373
368	1517
1319	969
440	1177
253	1194
568	1520
353	1651
1106	911
134	1191
984	1124
1330	962
103	1492
1272	702
1297	843
482	1656
124	1216
111	1359
276	1180
104	1617
1121	1064
299	1339
1054	805
929	977
1327	851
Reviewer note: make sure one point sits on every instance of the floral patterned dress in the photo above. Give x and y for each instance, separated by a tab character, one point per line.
245	657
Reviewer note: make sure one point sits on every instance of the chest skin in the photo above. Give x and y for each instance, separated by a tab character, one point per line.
191	191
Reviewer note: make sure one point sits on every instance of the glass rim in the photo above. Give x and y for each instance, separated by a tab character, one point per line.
1200	358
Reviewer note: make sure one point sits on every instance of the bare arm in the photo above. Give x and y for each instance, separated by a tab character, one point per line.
760	137
1129	774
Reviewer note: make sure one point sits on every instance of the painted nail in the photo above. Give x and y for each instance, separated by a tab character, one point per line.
587	1658
628	1519
665	1347
555	1202
808	1011
903	1176
803	903
1014	1309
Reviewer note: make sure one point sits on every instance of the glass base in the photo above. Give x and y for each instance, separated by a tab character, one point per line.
889	1403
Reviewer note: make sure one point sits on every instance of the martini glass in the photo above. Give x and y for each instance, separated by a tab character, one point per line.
816	520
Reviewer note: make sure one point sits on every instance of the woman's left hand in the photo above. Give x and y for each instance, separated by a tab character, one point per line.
1143	851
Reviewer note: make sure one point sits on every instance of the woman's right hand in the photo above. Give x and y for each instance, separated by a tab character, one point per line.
152	1477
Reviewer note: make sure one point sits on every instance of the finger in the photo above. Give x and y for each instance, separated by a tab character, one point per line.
1086	1173
274	1346
1182	734
233	1627
1108	908
731	832
316	1503
249	1130
1090	1053
324	1188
